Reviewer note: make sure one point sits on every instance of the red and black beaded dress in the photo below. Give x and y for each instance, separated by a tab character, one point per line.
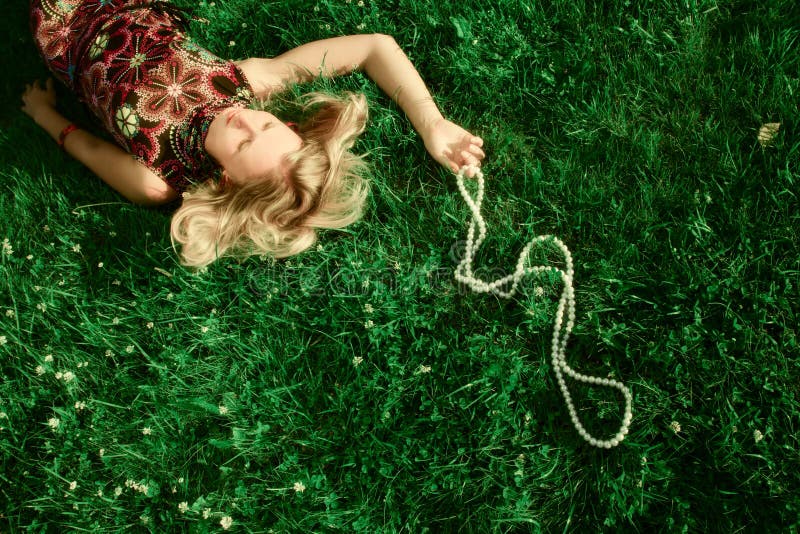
153	89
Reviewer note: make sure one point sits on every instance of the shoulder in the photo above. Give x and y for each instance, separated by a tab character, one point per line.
263	75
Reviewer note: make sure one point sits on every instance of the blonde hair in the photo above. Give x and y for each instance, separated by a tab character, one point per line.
279	215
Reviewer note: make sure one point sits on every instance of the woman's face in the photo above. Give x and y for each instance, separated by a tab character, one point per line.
249	143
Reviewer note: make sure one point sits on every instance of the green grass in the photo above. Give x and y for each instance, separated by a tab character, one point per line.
628	129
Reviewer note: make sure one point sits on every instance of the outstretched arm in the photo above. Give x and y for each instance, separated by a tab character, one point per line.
385	63
113	165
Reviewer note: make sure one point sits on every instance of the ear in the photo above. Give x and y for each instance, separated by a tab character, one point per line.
225	180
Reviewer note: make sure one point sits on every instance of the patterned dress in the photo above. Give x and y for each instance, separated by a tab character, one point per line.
153	89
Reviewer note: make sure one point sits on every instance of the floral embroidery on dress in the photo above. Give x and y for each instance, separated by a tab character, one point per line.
127	121
98	46
153	89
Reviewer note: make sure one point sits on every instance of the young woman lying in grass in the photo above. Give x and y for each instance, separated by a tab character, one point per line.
252	184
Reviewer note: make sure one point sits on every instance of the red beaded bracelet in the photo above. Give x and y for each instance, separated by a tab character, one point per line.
68	129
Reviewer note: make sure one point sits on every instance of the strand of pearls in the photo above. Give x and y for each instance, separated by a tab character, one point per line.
566	304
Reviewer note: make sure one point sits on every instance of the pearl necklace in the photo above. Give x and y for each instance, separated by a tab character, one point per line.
561	330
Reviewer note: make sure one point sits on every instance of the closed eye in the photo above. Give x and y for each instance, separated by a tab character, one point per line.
267	126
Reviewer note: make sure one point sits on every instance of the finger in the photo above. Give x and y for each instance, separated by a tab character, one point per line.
477	151
469	159
477	141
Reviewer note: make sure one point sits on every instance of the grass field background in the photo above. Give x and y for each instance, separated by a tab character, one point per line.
357	387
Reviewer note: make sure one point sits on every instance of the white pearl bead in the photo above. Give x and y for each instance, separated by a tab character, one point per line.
562	327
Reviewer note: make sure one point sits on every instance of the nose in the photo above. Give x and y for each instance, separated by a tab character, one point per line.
241	122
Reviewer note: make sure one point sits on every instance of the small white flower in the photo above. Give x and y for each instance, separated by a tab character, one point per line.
757	435
115	321
361	26
73	485
320	247
101	452
59	374
424	369
147	431
3	340
112	233
150	325
80	405
244	25
53	422
29	257
48	358
8	250
368	308
369	324
41	307
170	296
46	228
76	248
145	519
206	513
357	360
316	8
360	3
226	522
232	43
129	349
183	507
10	313
3	415
223	409
69	376
538	291
116	283
109	353
99	493
708	198
100	265
299	487
118	491
40	370
676	426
